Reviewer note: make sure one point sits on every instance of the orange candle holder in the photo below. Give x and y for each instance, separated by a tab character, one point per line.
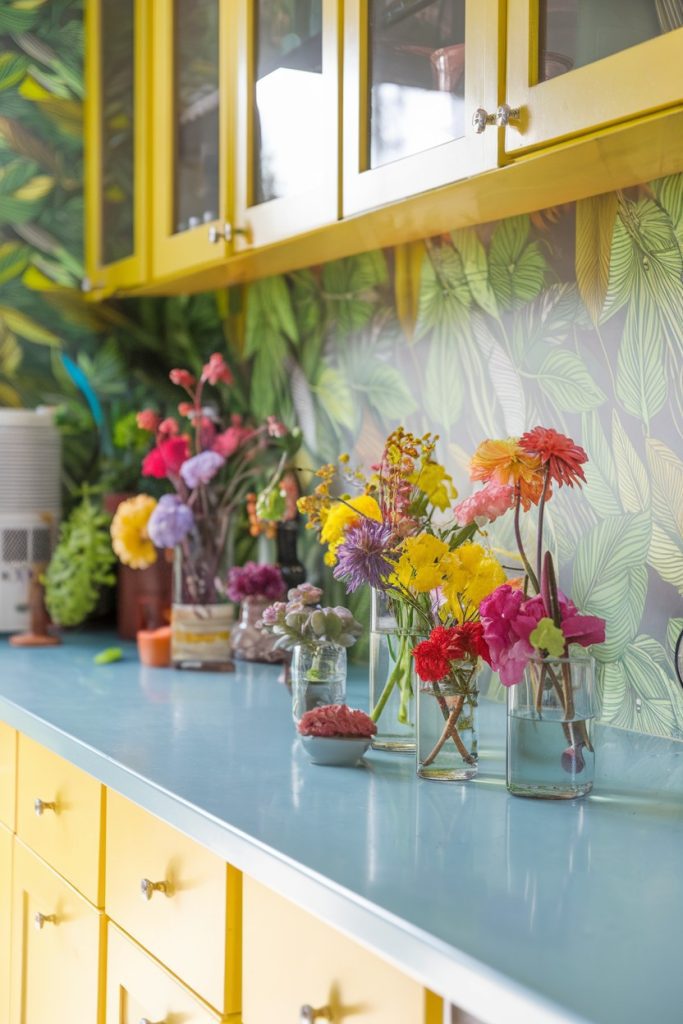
154	647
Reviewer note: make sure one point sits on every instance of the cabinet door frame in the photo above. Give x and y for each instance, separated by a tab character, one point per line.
175	252
640	80
367	188
279	219
106	278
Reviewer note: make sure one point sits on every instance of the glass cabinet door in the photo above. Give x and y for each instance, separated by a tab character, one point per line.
287	118
116	130
415	72
574	65
189	157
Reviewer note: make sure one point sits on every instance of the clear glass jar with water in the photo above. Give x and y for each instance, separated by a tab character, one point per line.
392	679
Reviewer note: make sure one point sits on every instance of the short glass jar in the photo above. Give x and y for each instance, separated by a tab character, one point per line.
318	677
447	725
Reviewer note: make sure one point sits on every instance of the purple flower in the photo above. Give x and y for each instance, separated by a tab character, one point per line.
170	522
304	594
202	468
252	579
274	614
363	556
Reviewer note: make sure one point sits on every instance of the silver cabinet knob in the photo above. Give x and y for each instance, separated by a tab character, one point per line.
40	806
506	115
308	1015
233	232
214	234
481	119
40	920
148	888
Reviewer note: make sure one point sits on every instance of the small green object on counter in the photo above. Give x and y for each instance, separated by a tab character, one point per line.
108	655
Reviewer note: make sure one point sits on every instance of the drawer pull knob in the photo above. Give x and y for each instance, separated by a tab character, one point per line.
506	115
148	888
40	806
308	1014
481	119
40	920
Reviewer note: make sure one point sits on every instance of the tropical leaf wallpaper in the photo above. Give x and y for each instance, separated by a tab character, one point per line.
572	317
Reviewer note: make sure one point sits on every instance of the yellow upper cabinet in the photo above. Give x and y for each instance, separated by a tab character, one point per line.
117	144
578	65
414	74
287	140
191	145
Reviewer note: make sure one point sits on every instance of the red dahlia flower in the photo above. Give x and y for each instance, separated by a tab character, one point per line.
557	453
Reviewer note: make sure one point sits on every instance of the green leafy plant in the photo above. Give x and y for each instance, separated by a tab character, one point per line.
81	565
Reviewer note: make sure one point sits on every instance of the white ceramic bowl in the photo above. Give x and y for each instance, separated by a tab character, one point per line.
340	751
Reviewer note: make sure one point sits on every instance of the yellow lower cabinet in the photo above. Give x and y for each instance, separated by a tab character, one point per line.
58	947
6	846
138	989
178	900
8	776
296	968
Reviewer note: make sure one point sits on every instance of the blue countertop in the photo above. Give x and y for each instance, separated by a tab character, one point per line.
515	910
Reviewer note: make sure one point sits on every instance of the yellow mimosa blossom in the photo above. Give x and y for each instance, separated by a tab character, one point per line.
129	536
433	480
340	516
421	565
471	574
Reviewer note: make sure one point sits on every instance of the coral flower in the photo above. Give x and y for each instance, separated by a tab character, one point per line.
130	539
557	453
217	370
183	378
504	461
486	505
148	420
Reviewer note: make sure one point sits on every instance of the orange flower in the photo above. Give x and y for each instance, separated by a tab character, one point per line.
505	462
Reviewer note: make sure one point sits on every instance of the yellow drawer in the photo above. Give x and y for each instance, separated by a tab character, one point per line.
8	775
60	815
138	989
58	945
292	960
6	847
192	920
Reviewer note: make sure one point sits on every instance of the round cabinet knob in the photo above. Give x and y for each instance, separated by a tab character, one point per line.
147	888
308	1014
40	806
40	920
506	115
481	119
214	235
231	232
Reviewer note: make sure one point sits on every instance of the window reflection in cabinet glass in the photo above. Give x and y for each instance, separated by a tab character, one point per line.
118	129
417	76
196	165
289	100
578	32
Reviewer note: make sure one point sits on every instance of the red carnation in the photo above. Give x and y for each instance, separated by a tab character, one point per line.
167	458
557	453
431	664
470	636
448	642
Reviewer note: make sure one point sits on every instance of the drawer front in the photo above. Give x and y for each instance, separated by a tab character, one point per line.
6	850
292	960
8	775
139	989
193	926
57	969
68	831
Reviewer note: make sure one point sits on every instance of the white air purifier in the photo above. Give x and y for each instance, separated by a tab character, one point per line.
30	507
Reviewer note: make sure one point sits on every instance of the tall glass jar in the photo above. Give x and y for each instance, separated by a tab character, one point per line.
550	713
318	677
392	687
202	618
447	725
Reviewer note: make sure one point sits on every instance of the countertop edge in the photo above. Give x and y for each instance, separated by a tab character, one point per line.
470	984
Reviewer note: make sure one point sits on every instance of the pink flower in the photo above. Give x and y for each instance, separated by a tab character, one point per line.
488	504
275	427
252	579
336	720
168	427
227	443
217	370
167	458
147	420
186	408
183	378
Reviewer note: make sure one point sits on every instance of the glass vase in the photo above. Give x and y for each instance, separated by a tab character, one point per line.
392	689
550	753
202	619
318	677
447	725
251	643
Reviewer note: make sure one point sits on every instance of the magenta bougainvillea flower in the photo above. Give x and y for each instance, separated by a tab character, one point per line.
254	580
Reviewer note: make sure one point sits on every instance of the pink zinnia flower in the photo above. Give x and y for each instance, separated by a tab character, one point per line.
485	505
558	453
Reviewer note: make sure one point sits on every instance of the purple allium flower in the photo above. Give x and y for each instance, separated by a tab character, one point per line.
362	558
170	522
252	579
202	468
